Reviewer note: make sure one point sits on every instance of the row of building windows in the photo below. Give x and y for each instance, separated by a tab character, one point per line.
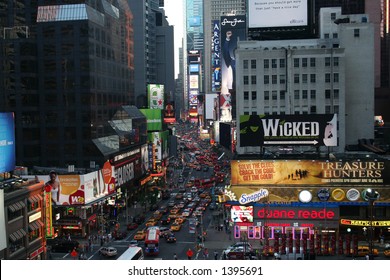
297	62
298	78
297	110
304	94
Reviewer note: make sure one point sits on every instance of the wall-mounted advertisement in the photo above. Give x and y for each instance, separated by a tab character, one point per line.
194	21
216	57
233	29
313	130
209	107
309	172
7	142
265	13
193	97
241	214
194	68
194	81
153	118
169	113
156	96
155	138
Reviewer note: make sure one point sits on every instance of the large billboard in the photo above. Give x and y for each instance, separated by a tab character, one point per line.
156	96
210	113
265	13
309	172
216	57
153	118
262	130
7	142
233	29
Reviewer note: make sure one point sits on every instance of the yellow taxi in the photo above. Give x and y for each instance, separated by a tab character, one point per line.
175	227
151	222
180	220
174	211
363	251
387	253
140	235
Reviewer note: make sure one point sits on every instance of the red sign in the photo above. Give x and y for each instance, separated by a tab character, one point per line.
300	214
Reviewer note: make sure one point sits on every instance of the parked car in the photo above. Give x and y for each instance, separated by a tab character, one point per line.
132	226
108	251
64	246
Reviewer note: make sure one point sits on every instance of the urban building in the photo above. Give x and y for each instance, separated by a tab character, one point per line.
65	70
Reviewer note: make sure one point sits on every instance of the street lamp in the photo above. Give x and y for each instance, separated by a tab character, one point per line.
371	196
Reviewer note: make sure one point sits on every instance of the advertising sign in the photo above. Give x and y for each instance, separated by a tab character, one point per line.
7	142
156	96
155	138
169	113
153	118
216	57
313	130
233	29
308	172
193	97
194	81
241	214
266	13
194	68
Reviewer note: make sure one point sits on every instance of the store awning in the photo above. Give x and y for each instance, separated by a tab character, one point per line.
19	234
35	225
16	206
35	198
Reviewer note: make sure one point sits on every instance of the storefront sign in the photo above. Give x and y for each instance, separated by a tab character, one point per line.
48	216
297	213
253	197
363	223
34	217
36	252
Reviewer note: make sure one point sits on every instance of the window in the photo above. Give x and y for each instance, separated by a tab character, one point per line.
274	95
253	80
266	63
312	62
304	62
313	78
336	77
282	95
356	32
335	61
313	94
266	79
304	94
327	110
327	77
246	80
296	62
336	94
246	113
304	78
336	109
327	94
253	63
246	95
327	61
254	113
282	63
254	95
335	35
313	109
282	79
296	94
296	78
332	16
274	79
266	95
245	64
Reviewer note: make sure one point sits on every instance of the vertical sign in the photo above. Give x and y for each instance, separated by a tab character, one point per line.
48	217
156	96
216	57
7	142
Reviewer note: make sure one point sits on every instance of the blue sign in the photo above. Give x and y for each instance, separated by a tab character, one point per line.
7	142
194	68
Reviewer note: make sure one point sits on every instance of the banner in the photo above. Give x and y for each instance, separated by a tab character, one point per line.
153	119
7	142
156	96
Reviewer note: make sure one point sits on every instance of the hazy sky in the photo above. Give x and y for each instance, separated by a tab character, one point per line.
174	12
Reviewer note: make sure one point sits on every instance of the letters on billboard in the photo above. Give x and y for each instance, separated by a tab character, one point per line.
262	130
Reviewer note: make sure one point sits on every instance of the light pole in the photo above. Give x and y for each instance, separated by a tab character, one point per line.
371	196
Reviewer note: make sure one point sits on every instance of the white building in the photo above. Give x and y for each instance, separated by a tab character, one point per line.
330	75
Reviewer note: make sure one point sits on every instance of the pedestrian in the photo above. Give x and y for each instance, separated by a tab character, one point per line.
215	255
205	253
174	256
189	253
224	255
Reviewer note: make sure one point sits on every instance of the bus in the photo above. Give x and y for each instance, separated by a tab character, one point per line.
152	239
132	253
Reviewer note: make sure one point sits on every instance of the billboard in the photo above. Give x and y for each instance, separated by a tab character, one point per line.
216	57
7	142
262	130
209	107
309	172
156	96
194	21
265	13
194	81
153	118
169	113
241	214
194	68
233	29
193	97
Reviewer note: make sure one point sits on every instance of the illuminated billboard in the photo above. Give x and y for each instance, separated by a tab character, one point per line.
194	81
194	68
193	97
265	13
241	214
216	57
156	96
153	118
313	130
7	142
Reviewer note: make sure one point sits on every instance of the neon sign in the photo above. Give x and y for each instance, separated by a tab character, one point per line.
301	214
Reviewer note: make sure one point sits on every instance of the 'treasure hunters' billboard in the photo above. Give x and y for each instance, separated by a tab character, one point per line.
262	130
7	142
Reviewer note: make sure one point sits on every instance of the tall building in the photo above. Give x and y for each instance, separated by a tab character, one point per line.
65	69
151	32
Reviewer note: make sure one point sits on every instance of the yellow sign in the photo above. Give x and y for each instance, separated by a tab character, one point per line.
363	223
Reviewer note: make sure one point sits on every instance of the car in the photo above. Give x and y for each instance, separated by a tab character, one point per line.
386	252
151	222
153	207
363	251
164	231
140	235
245	245
163	209
134	243
132	226
181	180
175	227
174	211
213	206
64	246
119	235
171	203
165	220
108	251
180	220
170	238
179	196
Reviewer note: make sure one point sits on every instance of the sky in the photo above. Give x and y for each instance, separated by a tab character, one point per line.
174	12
